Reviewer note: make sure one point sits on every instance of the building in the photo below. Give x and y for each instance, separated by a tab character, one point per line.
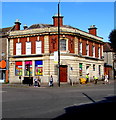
109	60
32	51
4	32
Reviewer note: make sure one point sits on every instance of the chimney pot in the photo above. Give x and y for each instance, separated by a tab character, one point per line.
17	24
25	26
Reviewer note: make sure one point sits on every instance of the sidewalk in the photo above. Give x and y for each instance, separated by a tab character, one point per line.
45	85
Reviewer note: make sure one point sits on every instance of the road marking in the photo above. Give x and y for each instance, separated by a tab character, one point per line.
111	95
2	91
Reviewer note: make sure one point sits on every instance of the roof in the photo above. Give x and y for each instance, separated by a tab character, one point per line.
34	26
107	47
39	26
3	31
46	25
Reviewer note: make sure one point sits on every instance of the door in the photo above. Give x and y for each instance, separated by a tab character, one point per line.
87	69
63	73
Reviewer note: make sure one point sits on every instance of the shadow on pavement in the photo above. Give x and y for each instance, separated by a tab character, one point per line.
97	110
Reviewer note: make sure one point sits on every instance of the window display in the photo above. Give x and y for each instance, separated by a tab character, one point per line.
28	68
18	68
39	68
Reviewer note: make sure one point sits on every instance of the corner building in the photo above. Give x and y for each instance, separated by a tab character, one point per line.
31	53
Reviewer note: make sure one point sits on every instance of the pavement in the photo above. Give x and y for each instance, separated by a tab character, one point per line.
45	85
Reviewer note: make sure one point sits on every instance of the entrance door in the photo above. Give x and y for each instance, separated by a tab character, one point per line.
87	69
63	73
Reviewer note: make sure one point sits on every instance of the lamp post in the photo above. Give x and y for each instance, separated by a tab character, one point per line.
59	43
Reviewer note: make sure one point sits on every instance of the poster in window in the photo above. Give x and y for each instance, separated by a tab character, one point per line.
39	68
80	69
18	68
28	68
38	47
28	48
18	48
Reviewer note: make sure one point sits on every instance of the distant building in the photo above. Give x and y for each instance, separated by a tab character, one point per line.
4	32
32	52
109	60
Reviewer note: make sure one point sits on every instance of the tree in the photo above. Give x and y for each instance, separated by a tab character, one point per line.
112	39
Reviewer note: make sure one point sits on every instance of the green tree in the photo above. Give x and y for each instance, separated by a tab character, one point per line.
112	39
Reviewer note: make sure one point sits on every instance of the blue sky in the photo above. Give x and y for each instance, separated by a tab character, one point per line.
77	14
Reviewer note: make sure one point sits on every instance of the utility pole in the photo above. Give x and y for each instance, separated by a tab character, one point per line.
59	43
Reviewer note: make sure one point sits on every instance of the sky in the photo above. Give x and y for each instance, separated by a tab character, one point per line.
80	15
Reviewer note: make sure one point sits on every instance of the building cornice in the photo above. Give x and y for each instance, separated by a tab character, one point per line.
52	30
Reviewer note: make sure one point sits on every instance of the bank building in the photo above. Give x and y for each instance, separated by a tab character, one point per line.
33	52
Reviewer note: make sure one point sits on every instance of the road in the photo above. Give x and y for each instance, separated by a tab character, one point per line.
44	102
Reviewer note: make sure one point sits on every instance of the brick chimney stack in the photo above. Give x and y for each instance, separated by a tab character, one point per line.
55	20
17	24
93	30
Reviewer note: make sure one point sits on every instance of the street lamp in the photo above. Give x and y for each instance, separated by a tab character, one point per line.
59	43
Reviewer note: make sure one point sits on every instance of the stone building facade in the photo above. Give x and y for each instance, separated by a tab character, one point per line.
32	53
4	33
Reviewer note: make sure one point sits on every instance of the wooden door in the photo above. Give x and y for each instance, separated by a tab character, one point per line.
63	73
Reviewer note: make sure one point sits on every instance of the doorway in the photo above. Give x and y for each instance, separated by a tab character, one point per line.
63	73
87	69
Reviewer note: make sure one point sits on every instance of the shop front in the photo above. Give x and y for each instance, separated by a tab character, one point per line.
27	70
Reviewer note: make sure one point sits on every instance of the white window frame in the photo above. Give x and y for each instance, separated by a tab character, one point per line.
28	48
80	48
39	47
99	52
64	51
87	49
18	49
93	50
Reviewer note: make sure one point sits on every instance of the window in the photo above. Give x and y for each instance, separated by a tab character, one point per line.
28	48
38	47
28	68
93	51
99	52
62	45
99	70
93	67
18	48
80	69
39	68
18	68
80	48
87	49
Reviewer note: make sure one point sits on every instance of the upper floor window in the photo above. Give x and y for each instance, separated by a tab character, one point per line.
38	47
63	45
93	51
80	48
99	52
87	49
28	48
18	48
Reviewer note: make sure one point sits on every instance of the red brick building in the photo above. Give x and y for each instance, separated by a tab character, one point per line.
81	52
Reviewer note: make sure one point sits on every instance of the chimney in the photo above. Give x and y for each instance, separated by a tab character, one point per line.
92	30
55	20
25	26
17	24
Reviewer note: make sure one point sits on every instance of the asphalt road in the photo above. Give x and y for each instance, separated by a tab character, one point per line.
54	103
